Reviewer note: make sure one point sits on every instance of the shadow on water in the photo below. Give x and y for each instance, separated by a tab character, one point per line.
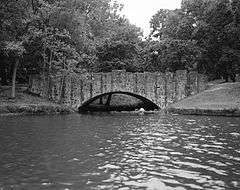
117	101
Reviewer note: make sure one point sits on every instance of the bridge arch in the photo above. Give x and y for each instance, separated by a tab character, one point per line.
117	101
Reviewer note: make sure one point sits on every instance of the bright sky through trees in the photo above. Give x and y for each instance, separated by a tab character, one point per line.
139	12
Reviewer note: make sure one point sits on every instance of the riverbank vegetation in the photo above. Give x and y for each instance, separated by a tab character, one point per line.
25	103
80	36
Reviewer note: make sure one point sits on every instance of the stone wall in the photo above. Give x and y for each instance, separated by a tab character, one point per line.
161	88
238	78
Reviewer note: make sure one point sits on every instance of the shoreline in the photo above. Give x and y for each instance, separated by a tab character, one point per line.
39	110
26	103
205	112
33	109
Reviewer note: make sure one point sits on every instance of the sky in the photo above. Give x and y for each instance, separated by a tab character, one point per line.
139	12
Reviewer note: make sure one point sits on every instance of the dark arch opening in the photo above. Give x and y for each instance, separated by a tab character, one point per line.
117	101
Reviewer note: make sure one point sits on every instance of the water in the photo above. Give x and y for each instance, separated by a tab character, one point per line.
119	151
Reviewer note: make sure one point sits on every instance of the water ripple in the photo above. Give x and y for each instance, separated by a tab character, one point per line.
120	152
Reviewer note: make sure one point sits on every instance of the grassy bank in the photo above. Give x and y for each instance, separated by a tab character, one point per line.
25	103
219	99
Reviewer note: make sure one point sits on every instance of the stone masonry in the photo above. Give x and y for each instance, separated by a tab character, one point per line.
161	88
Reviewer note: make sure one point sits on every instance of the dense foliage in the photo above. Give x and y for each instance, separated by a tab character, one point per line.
63	36
208	32
75	36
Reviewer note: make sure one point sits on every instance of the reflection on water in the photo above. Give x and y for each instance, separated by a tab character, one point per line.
119	151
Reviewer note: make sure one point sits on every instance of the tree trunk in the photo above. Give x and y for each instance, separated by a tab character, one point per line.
15	66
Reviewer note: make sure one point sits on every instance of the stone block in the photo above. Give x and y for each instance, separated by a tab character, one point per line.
36	83
140	84
55	92
76	92
237	77
96	84
181	84
45	86
66	91
150	86
161	90
170	88
86	90
106	82
192	83
130	82
118	80
202	82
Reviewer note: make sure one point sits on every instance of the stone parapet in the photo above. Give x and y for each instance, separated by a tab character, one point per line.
237	77
181	78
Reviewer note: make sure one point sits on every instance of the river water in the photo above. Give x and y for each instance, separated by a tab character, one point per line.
119	151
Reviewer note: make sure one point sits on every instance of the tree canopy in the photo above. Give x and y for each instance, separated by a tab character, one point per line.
63	36
75	36
212	25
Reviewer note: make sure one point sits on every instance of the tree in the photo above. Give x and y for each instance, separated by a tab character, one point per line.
61	36
211	25
174	48
15	50
217	31
121	50
172	55
171	24
13	27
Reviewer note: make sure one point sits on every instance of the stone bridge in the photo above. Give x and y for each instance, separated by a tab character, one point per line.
160	88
